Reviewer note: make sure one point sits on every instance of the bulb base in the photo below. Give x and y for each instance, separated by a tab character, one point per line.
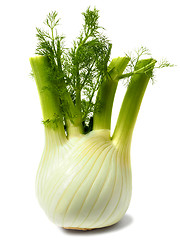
79	229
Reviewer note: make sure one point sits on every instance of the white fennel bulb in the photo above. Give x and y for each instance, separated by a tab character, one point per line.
84	184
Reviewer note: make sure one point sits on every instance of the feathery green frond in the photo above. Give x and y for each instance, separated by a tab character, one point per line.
77	74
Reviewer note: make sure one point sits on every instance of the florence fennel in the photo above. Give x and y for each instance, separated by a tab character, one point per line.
84	177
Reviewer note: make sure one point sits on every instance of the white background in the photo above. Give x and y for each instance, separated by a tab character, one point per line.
155	207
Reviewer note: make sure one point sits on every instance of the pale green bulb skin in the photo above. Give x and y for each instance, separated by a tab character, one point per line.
85	182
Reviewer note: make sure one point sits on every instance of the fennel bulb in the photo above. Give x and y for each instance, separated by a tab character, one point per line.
84	183
84	177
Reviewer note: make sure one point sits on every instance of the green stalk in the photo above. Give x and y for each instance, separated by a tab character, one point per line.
105	97
74	124
132	101
48	99
78	120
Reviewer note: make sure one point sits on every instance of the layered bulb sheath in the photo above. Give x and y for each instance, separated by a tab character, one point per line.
85	183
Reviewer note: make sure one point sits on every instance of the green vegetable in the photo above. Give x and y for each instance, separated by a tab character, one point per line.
84	177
